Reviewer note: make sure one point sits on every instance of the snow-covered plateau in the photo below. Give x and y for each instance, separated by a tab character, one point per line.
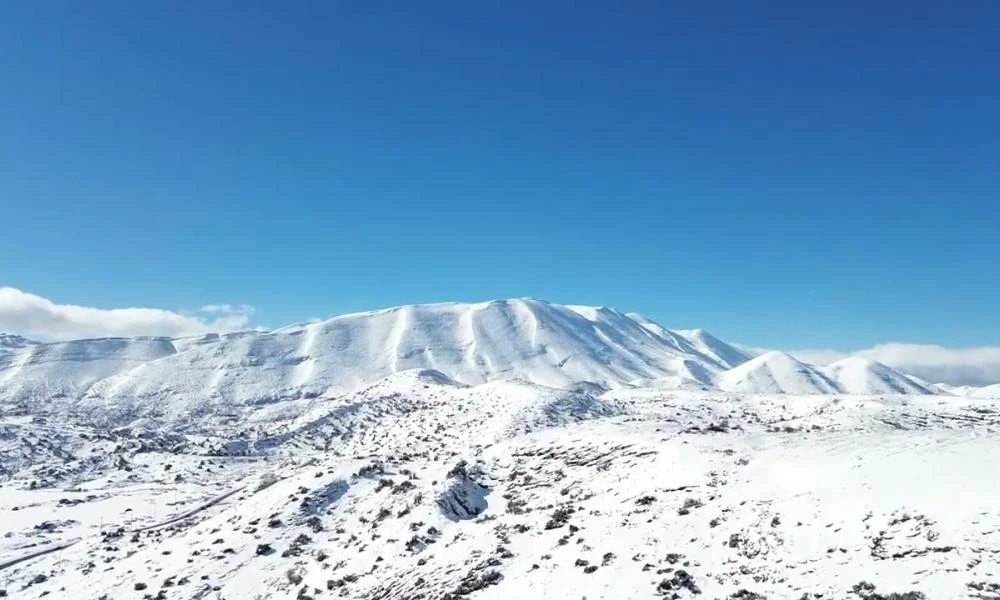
510	449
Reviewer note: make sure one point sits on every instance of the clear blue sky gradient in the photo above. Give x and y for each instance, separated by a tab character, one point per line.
787	174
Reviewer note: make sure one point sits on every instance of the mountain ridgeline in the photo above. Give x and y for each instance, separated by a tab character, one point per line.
530	340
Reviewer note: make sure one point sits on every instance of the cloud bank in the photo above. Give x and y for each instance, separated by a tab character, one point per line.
936	364
40	318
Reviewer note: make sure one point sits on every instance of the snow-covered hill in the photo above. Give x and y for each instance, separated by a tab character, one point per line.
420	487
776	373
856	375
531	340
988	391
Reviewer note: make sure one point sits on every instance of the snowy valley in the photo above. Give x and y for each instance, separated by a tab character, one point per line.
515	448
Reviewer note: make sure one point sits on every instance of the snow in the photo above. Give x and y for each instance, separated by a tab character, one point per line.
856	375
70	368
417	484
727	355
776	373
988	391
10	342
526	339
493	450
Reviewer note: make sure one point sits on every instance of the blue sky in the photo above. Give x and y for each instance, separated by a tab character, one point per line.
809	175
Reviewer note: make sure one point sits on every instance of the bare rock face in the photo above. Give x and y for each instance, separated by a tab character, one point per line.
461	496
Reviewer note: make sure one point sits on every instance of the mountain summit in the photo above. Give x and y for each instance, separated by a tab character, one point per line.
856	375
776	373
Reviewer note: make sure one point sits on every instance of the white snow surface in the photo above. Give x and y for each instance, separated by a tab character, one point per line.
420	487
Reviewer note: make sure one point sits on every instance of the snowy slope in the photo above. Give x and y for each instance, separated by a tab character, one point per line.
68	369
697	342
856	375
418	487
725	354
989	391
776	373
970	391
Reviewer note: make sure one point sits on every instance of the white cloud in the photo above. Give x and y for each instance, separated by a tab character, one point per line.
38	317
936	364
227	309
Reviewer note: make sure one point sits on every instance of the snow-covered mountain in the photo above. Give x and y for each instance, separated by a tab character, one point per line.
776	373
531	340
856	375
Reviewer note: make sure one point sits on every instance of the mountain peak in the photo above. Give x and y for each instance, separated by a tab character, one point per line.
777	356
857	361
859	375
776	372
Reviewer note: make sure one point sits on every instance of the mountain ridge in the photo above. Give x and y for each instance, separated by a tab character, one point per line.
540	342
